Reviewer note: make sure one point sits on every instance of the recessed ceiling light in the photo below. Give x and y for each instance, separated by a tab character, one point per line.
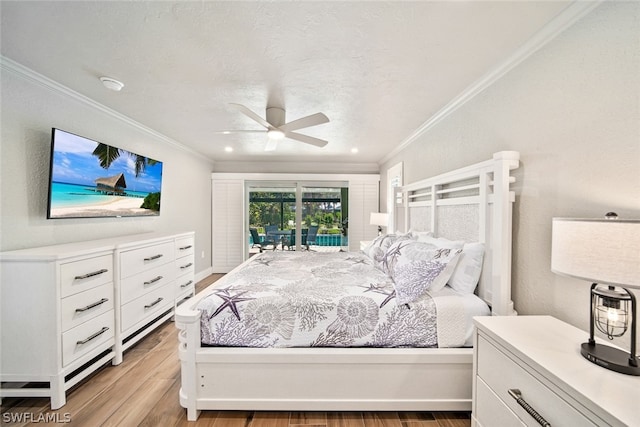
228	149
354	150
111	84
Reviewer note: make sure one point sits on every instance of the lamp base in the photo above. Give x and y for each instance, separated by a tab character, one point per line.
609	358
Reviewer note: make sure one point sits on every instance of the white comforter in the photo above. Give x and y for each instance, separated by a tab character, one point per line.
302	299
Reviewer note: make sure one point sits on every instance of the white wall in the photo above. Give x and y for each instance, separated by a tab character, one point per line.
572	111
29	111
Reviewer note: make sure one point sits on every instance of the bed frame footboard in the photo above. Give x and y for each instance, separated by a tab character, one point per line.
322	379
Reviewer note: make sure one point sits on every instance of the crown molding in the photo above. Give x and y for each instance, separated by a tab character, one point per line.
565	19
296	167
34	77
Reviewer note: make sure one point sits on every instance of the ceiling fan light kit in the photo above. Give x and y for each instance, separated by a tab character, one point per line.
275	134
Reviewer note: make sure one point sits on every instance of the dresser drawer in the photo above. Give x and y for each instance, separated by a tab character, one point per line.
184	266
184	246
138	260
501	373
185	284
135	286
80	307
147	306
78	276
491	410
87	336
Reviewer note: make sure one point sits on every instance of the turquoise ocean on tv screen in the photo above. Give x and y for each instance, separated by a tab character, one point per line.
65	195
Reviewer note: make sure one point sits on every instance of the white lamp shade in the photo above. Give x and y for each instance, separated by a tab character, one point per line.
605	251
378	218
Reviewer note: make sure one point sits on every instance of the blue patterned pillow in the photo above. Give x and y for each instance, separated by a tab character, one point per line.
417	267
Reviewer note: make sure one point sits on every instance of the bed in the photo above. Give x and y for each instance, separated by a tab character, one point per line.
344	367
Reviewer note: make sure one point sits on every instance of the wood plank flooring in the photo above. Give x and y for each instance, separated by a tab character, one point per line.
143	391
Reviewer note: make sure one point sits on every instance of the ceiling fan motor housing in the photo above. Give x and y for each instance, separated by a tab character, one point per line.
275	116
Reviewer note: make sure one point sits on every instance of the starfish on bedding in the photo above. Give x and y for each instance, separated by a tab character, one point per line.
229	301
374	288
380	290
263	261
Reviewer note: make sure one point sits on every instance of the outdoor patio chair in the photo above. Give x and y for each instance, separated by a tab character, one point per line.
311	236
290	241
261	243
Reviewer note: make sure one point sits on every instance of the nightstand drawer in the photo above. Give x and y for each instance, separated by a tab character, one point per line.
501	373
491	410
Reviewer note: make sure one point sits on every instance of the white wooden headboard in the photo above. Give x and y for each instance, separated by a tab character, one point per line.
473	204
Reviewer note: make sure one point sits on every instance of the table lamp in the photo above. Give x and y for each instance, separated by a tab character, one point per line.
380	219
605	252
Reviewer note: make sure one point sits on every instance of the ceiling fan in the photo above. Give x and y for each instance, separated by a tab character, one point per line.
277	129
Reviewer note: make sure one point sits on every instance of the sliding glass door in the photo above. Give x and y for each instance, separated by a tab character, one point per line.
298	215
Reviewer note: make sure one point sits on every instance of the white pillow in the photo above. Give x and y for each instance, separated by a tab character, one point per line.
441	242
420	236
417	267
466	275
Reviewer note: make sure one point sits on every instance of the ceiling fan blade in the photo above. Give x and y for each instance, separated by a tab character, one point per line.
305	122
271	144
306	139
230	131
247	112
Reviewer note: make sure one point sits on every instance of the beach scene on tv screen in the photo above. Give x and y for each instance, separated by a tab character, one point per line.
91	179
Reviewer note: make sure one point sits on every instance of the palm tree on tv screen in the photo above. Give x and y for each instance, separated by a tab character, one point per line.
108	154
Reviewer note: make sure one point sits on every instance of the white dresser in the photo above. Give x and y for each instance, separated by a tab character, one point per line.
68	309
535	362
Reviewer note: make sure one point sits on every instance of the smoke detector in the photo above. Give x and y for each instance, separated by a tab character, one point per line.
111	84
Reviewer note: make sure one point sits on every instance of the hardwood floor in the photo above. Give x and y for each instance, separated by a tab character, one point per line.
143	391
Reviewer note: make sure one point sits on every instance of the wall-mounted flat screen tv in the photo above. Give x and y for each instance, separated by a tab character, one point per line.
89	179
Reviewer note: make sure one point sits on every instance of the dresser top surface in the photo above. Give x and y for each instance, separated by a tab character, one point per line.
90	247
552	348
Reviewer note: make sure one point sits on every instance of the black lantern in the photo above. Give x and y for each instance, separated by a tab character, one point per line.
613	309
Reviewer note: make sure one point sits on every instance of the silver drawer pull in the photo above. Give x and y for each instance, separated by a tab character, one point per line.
184	248
186	266
156	302
151	258
90	306
186	284
154	280
97	334
515	393
95	273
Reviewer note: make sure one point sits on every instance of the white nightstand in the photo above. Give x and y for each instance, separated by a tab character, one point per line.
539	356
364	244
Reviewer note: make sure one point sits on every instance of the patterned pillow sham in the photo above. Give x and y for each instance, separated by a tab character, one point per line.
418	267
377	249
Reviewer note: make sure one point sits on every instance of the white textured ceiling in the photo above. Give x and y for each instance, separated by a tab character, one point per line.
378	70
